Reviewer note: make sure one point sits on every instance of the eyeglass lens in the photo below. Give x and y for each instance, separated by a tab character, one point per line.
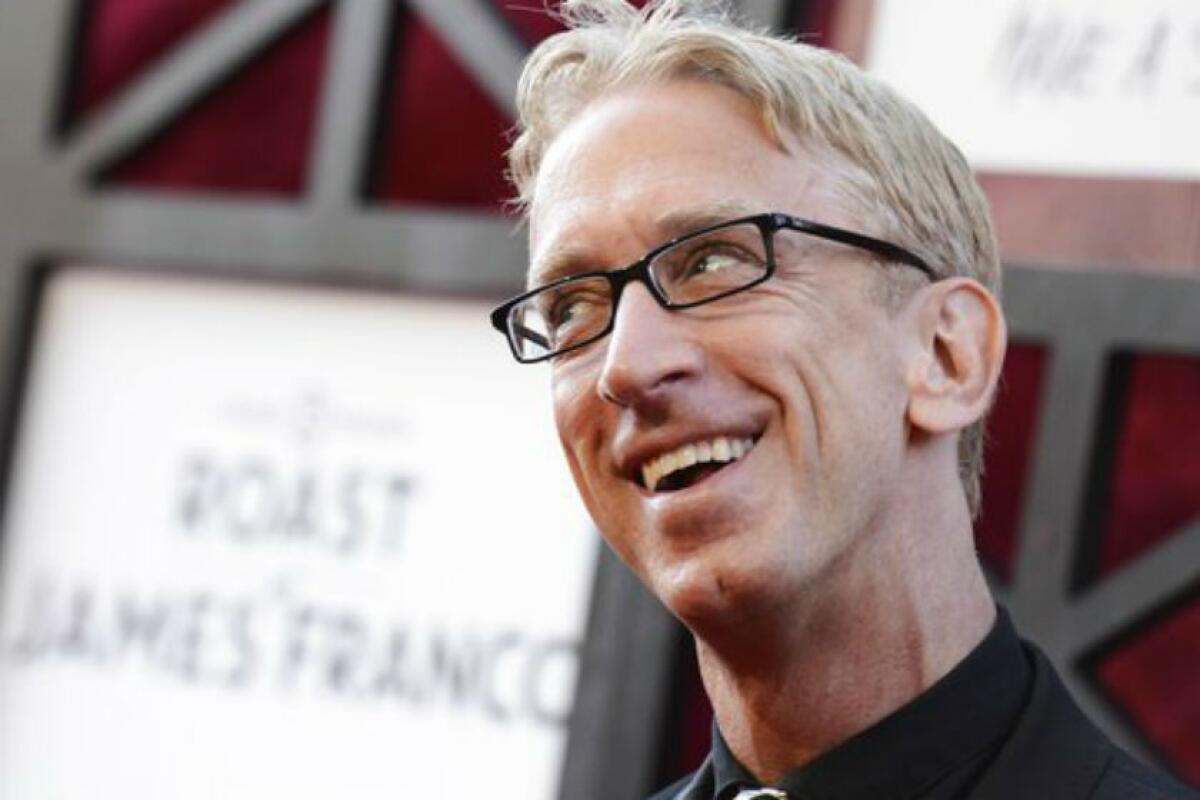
694	270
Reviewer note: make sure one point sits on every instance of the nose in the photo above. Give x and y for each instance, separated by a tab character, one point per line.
649	351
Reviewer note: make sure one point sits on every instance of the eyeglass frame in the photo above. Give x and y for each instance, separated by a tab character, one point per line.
768	224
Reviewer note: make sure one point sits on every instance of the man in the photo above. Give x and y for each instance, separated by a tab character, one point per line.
766	289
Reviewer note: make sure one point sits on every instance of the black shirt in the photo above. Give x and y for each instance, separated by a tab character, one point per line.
933	748
999	726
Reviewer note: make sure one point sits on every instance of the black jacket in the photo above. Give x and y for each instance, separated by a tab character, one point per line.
1053	753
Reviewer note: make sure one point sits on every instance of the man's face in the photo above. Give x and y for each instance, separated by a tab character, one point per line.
803	369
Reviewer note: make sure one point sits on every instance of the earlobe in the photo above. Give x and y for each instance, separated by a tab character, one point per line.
956	361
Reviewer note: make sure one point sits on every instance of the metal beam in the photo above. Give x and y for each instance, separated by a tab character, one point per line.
484	46
1119	601
436	250
356	58
1049	529
624	690
33	39
186	72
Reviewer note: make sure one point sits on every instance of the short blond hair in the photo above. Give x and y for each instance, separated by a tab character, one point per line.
912	183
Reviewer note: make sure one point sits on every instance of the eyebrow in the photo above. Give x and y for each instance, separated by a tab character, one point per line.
562	261
674	224
570	259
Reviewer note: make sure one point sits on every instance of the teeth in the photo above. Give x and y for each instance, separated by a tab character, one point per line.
687	456
718	450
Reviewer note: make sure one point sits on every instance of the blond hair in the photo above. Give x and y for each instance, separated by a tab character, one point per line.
912	183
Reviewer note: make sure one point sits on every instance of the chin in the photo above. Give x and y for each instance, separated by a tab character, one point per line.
711	594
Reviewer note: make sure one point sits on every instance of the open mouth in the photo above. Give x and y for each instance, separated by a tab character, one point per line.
688	465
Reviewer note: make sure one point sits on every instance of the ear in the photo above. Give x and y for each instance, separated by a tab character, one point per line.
956	359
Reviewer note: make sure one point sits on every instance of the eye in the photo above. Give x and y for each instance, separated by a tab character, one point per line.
577	313
709	263
717	261
567	308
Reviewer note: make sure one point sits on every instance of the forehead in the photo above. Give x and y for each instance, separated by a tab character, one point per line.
643	164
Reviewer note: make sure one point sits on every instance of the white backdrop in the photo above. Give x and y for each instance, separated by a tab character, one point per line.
1092	87
264	540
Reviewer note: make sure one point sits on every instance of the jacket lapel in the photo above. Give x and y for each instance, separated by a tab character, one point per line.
700	786
1055	751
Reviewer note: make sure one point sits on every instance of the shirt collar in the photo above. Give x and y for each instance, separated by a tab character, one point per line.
959	718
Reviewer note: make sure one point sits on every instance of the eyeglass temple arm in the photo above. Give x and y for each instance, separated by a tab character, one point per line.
532	335
886	249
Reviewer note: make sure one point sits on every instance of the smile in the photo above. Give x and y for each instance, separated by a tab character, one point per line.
692	462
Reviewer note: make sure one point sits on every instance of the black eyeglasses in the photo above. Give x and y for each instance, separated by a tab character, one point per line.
688	271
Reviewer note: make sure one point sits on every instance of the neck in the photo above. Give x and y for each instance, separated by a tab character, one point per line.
874	631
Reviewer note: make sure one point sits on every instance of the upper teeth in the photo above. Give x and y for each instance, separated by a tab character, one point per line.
721	449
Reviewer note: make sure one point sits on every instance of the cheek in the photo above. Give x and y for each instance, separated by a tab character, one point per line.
579	421
829	393
571	393
788	369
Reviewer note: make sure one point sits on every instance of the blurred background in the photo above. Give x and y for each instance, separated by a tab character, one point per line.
281	515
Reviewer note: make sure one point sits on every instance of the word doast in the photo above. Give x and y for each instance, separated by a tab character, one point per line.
275	642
